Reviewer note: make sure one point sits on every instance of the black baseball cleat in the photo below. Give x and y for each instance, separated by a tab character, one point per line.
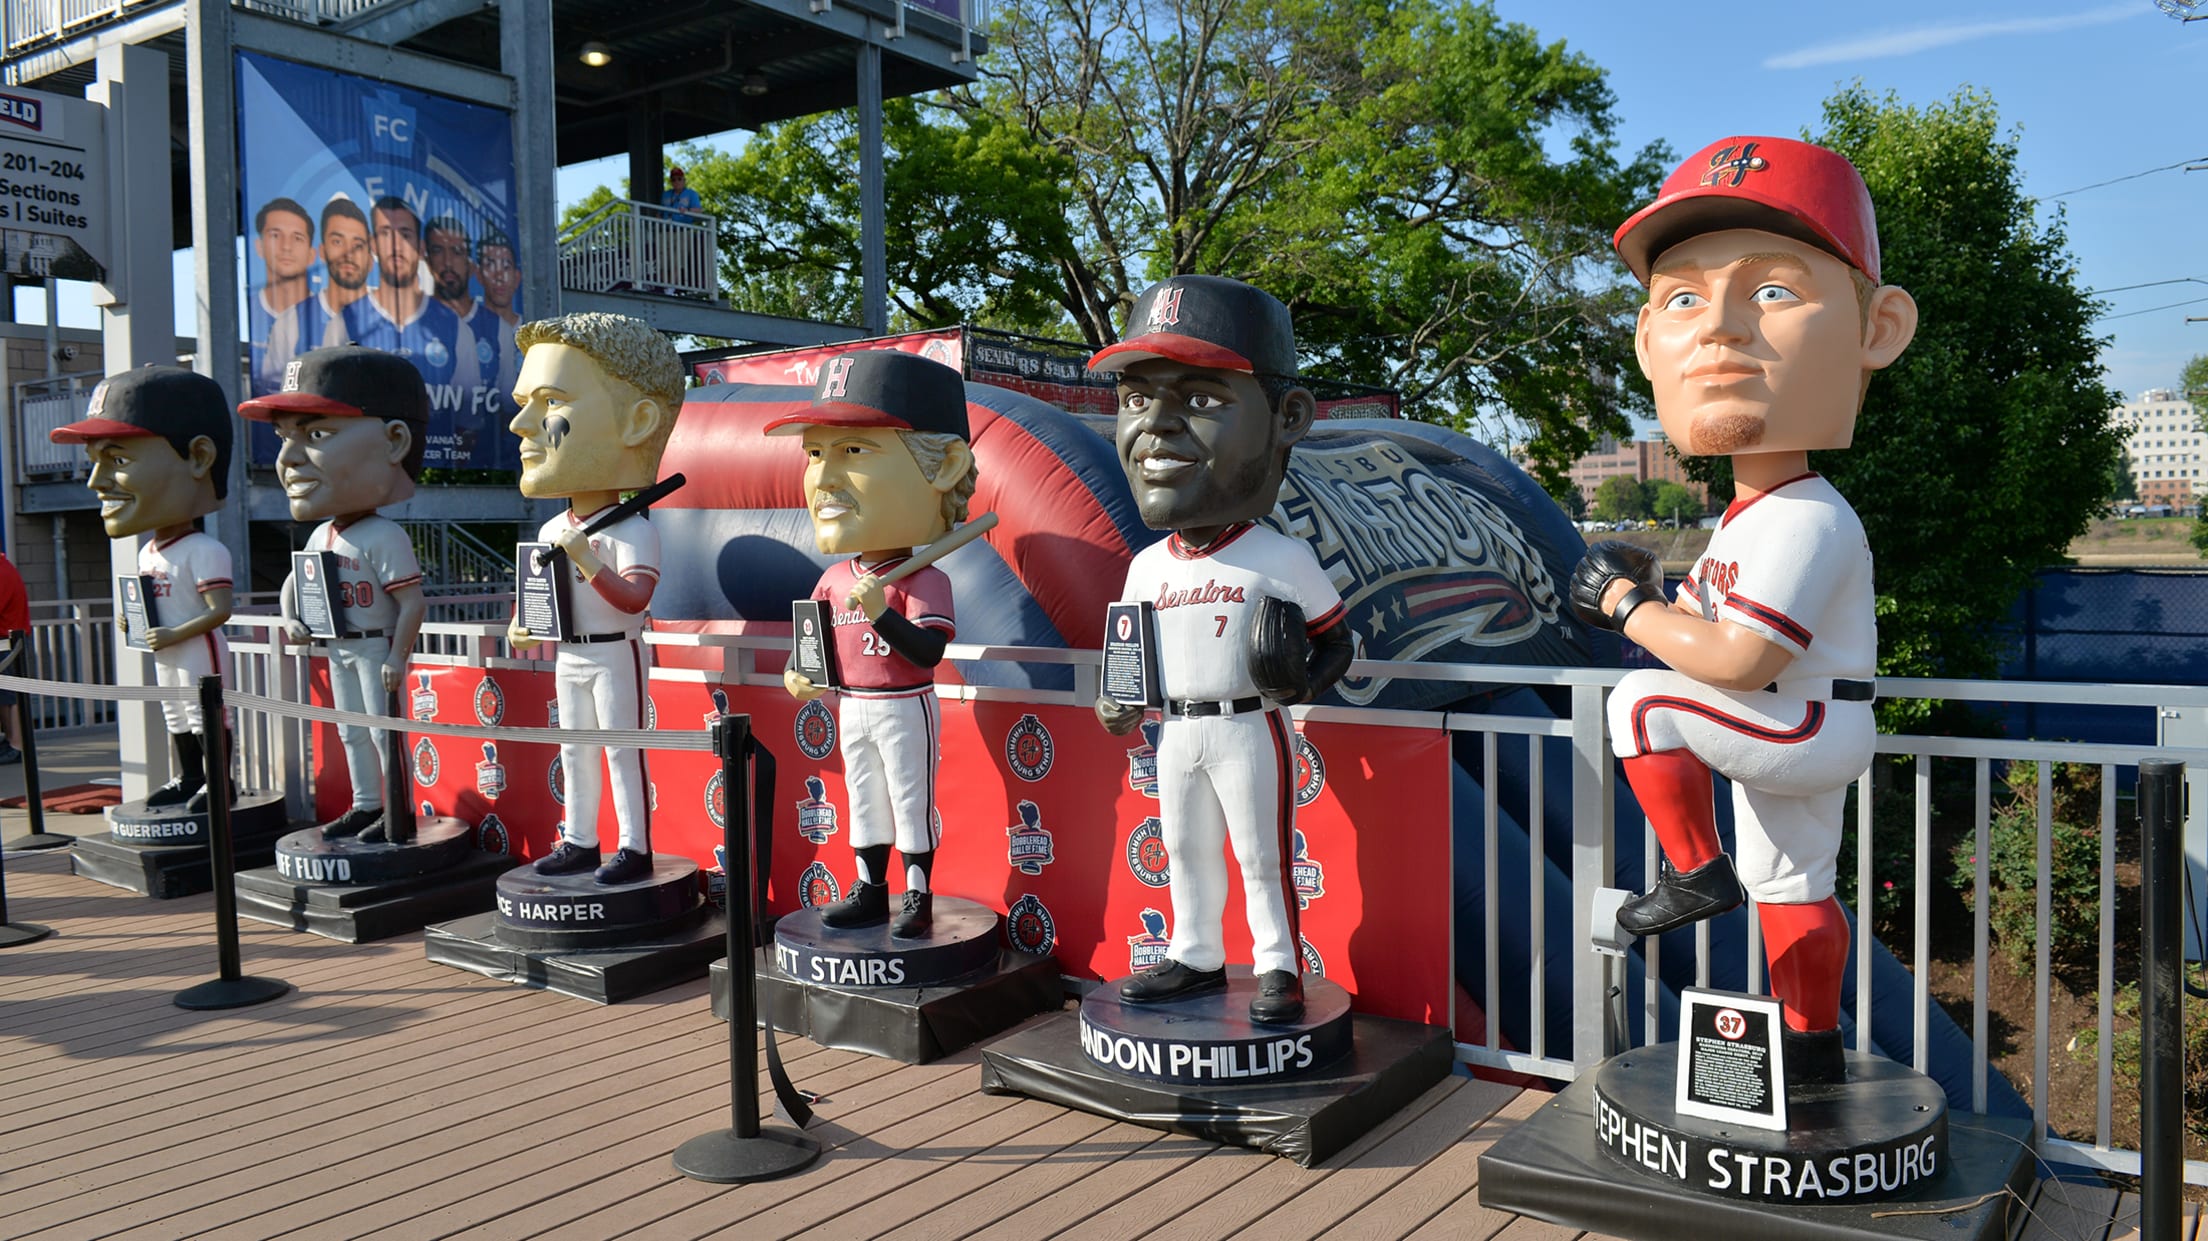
1814	1057
175	793
202	797
375	833
868	905
1170	981
916	919
566	859
1279	999
351	823
1681	899
626	866
191	772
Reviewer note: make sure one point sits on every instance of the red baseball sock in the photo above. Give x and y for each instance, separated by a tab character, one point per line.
1807	946
1673	787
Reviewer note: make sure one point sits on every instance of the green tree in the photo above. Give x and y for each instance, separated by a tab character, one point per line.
2120	484
1619	497
1667	499
1987	448
2192	381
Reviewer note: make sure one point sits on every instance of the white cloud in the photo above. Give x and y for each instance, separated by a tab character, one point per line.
1946	34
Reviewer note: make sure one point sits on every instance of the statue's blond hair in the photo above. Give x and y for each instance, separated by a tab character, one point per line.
630	350
929	450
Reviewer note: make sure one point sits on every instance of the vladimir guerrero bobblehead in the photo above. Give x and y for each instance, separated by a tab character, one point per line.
599	395
1764	321
887	468
351	423
1208	410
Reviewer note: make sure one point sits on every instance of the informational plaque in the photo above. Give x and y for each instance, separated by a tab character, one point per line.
53	164
541	593
1131	656
136	592
314	592
1731	1061
812	644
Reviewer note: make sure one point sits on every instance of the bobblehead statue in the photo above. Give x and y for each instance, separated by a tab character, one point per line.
1765	318
159	442
1208	410
352	423
599	395
887	468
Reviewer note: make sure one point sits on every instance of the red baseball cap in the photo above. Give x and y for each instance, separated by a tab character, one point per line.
1778	185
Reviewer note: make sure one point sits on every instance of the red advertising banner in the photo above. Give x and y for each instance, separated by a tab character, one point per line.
801	367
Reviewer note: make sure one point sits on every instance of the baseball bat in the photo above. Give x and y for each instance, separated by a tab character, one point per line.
620	512
942	547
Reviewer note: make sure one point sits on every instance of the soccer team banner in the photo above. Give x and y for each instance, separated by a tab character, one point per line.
382	216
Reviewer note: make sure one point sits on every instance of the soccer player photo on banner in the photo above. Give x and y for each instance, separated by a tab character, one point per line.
382	216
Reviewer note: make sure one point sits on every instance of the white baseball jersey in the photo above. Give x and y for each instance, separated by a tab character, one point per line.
182	569
1791	565
1222	778
374	557
628	546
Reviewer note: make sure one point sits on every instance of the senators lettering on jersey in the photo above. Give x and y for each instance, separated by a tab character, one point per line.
1209	592
865	661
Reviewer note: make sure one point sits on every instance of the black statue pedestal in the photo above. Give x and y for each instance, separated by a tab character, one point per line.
1200	1066
353	891
162	852
599	942
1877	1156
914	1000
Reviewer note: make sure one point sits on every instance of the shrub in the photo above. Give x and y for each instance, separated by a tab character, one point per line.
2013	866
2192	1041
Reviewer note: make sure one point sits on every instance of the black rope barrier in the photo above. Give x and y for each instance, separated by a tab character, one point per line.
744	1151
34	798
232	988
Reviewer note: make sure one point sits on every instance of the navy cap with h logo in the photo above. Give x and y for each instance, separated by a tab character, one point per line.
883	388
346	381
1208	321
167	401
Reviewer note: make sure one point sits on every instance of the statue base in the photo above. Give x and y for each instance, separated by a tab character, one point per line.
599	942
913	1024
1209	1039
162	853
1559	1165
354	892
963	941
1389	1063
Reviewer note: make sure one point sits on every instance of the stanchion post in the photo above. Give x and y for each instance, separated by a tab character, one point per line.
398	789
34	797
2161	995
744	1151
232	989
13	933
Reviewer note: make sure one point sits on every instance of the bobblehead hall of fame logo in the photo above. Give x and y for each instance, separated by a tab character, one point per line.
490	704
1029	926
1030	849
1142	761
816	729
425	698
490	774
1310	771
1146	853
1308	876
1148	948
816	815
425	763
817	887
1028	749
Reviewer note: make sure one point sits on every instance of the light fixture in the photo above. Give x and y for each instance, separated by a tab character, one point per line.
755	83
597	55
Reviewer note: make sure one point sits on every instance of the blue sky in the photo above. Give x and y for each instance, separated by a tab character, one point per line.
2094	90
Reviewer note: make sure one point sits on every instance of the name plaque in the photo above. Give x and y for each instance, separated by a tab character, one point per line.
1131	656
314	592
812	641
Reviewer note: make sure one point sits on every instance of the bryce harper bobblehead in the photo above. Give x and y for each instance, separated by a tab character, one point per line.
351	424
1764	321
1208	410
158	438
599	395
887	468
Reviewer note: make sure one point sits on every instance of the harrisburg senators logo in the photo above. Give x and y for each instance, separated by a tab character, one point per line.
1029	926
716	799
651	714
425	698
816	730
555	778
491	835
490	704
817	887
1308	876
1310	771
1312	964
1146	853
1142	761
425	763
1028	748
1148	948
816	815
490	774
834	377
1724	164
1165	311
1030	849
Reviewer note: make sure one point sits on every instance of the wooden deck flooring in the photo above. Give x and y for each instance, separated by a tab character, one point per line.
390	1097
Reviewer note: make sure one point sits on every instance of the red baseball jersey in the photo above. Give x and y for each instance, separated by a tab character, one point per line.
864	662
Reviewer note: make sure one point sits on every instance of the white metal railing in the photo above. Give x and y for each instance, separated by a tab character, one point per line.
628	246
456	562
41	405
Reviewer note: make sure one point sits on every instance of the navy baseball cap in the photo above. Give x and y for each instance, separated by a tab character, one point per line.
883	388
1207	321
167	401
346	381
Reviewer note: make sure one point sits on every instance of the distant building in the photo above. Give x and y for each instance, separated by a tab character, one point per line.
2169	451
1642	460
